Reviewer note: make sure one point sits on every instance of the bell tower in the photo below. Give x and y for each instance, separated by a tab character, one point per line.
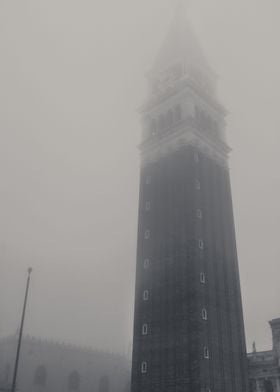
188	322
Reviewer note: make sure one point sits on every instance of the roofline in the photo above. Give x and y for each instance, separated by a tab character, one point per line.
261	352
216	105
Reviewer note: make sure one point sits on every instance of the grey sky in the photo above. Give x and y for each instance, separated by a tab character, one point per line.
72	75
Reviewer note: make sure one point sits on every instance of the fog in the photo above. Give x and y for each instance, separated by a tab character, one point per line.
72	76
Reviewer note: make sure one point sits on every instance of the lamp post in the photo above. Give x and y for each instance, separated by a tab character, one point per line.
20	332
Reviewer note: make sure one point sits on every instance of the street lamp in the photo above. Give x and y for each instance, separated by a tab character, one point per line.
20	331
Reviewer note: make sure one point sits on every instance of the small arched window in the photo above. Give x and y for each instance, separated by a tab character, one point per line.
104	384
145	329
73	381
206	353
146	264
202	278
40	376
201	244
147	234
144	367
147	205
204	314
145	295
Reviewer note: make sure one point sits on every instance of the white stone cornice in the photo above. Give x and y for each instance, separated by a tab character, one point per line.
155	148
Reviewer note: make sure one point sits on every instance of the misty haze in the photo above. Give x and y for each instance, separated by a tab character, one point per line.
74	76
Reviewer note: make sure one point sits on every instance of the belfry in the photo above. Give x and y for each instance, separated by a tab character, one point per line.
188	322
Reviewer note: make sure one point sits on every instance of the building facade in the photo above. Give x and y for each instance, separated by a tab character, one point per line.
188	321
52	367
264	366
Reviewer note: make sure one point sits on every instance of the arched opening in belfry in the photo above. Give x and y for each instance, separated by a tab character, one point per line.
40	376
73	381
268	386
104	384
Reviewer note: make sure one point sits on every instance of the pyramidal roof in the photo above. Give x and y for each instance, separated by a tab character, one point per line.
181	45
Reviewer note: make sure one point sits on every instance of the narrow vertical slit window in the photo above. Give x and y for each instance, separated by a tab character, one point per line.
147	234
145	295
148	180
206	352
148	206
144	367
202	278
199	213
200	244
204	314
197	185
146	264
145	329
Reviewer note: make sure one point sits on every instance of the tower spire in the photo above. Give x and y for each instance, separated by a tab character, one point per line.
184	177
181	44
180	9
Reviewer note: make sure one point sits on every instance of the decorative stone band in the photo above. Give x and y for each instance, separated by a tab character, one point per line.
154	148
